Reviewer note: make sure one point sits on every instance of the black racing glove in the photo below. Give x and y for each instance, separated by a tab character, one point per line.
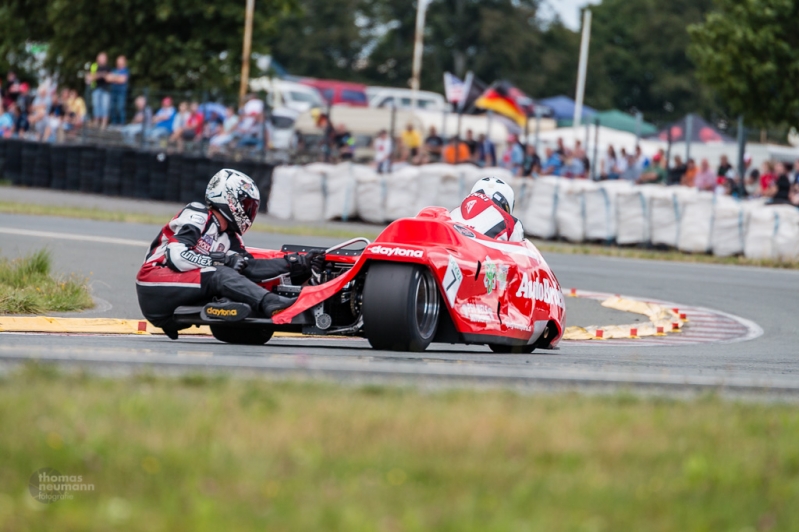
236	261
312	262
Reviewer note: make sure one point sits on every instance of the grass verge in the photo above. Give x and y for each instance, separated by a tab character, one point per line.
117	216
27	287
200	453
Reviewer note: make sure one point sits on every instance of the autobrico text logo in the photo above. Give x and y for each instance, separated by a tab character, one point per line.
397	252
48	485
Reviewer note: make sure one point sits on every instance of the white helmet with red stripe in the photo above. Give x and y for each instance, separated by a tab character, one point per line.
235	196
499	191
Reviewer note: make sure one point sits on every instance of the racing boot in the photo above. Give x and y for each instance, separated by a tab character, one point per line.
273	304
225	309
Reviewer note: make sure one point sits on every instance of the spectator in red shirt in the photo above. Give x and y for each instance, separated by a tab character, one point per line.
767	177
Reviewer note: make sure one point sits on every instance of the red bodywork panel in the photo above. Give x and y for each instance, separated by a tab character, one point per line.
491	288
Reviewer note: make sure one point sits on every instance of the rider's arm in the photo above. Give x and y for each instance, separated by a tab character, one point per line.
188	227
518	232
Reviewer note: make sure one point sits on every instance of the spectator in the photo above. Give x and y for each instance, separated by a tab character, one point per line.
779	191
97	79
553	163
573	167
456	151
513	159
163	120
11	89
382	147
608	168
180	121
7	120
226	135
532	162
724	168
677	171
39	111
119	90
24	102
486	152
411	142
657	173
561	149
752	184
76	109
433	145
345	143
471	144
705	178
689	177
253	106
53	122
623	165
767	177
142	120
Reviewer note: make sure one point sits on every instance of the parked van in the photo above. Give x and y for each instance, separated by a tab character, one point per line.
290	94
403	98
339	92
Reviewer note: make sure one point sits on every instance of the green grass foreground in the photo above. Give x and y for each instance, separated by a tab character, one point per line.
28	287
200	454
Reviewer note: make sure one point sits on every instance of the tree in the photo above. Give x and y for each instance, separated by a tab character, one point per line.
170	44
749	53
638	57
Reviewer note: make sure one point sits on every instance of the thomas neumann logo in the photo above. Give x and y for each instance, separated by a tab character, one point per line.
48	485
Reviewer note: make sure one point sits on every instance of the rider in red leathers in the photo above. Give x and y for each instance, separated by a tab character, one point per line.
199	256
489	211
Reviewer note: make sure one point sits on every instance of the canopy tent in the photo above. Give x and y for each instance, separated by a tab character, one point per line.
563	107
701	131
622	121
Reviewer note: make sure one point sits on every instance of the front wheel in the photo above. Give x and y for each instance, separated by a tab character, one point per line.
401	306
241	335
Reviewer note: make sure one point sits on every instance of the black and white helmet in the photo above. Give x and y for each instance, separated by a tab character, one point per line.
235	196
498	190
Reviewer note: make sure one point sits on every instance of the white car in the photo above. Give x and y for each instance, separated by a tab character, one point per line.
288	94
282	133
403	98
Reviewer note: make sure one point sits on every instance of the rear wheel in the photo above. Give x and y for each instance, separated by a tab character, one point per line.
400	307
241	335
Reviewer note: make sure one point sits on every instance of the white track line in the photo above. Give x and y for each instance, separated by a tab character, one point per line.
72	236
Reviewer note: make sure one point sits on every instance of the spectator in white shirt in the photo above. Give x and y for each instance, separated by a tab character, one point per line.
383	147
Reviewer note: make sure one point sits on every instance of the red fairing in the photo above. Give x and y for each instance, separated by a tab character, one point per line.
491	288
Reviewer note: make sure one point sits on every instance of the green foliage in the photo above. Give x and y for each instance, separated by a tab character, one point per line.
170	44
748	51
26	287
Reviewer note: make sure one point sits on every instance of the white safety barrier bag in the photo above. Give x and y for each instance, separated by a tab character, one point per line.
340	192
308	192
632	215
538	218
600	209
522	190
371	193
665	210
435	180
402	193
570	211
696	224
773	233
279	204
730	220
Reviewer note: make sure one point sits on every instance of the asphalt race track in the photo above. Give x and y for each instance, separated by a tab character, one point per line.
765	299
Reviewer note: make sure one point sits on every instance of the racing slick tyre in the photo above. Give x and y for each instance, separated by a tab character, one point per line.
241	335
511	349
400	307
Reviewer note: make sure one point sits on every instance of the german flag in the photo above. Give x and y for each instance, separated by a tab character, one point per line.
497	98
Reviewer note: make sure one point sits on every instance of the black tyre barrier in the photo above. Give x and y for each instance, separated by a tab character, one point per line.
87	160
174	174
202	175
2	158
112	172
262	175
157	166
97	174
129	187
58	166
41	166
13	169
74	158
188	174
29	152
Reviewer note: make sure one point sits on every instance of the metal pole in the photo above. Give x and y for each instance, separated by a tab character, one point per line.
639	120
689	134
594	163
581	71
418	43
741	149
537	127
246	50
391	136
